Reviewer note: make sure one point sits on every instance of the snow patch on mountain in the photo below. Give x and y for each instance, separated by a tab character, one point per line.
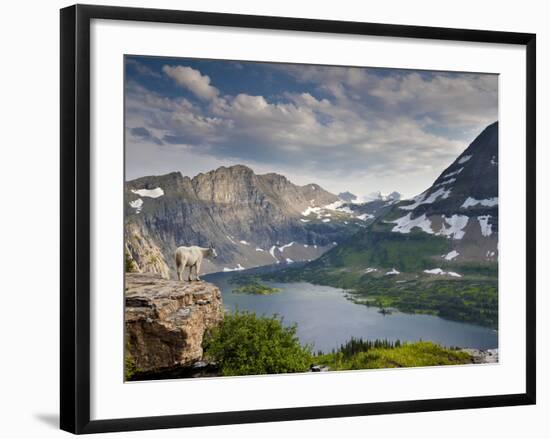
137	204
345	209
151	193
446	182
333	206
272	252
439	271
392	272
451	255
258	249
454	226
421	199
450	174
244	242
464	159
310	210
371	270
282	248
486	229
239	267
405	224
488	202
338	206
434	271
364	216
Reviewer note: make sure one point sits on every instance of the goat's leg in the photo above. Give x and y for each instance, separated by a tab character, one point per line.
181	269
197	270
190	271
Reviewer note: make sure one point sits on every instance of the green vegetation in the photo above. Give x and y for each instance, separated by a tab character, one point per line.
387	355
473	298
245	344
130	367
129	264
381	247
250	284
255	288
468	299
465	300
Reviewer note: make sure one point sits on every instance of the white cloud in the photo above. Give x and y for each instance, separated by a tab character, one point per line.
193	80
392	132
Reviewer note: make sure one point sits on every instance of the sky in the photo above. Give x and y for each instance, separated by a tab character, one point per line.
357	129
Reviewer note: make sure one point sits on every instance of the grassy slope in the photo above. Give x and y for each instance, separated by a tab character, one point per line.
379	247
407	355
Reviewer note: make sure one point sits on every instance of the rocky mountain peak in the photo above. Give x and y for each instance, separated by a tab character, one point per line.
470	182
347	196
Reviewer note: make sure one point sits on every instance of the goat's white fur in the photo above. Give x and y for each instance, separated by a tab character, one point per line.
192	257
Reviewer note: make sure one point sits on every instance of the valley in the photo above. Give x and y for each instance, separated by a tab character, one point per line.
337	266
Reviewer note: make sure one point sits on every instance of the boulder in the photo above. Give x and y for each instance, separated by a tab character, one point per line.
166	320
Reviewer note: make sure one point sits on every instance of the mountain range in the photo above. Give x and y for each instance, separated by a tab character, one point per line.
255	220
251	219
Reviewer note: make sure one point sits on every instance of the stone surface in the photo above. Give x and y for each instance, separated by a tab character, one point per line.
144	254
480	356
319	368
166	320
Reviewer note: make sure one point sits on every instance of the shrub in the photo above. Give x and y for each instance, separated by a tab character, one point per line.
129	264
130	368
245	344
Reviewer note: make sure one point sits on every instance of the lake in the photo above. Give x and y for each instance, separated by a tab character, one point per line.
326	318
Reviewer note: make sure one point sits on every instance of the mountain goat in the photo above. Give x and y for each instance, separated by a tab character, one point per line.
192	257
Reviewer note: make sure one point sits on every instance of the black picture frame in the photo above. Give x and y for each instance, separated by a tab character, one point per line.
75	217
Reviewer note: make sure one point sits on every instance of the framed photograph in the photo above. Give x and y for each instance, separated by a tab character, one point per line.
269	219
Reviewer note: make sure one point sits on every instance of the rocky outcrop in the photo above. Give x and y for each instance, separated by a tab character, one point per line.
144	256
480	356
166	321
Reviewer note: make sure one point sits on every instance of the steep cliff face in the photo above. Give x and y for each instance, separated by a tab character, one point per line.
144	254
166	320
251	219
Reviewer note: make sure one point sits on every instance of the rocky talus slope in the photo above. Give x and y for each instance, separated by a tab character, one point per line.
166	320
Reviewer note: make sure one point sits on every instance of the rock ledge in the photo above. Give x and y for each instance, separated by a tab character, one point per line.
166	320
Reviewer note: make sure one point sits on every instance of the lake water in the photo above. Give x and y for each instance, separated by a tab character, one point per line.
326	319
